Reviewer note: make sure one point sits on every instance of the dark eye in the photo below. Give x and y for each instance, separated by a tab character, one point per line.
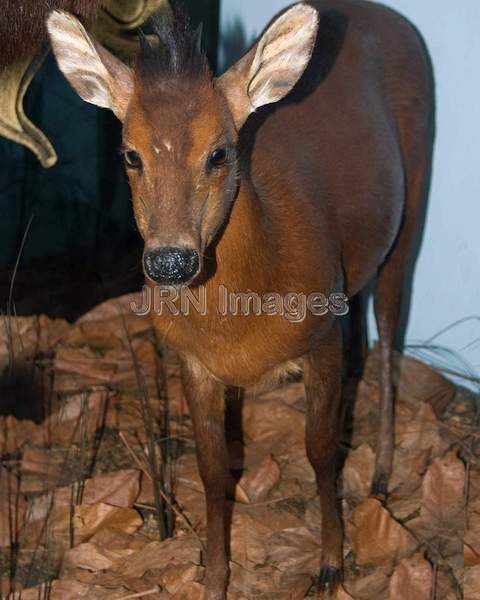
132	159
217	158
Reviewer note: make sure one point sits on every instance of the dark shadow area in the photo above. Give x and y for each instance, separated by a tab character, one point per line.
355	352
233	429
236	449
206	14
24	392
233	44
81	244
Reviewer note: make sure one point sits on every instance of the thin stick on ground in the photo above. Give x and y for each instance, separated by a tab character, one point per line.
154	590
147	423
144	470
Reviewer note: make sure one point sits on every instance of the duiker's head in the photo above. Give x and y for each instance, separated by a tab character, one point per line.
180	125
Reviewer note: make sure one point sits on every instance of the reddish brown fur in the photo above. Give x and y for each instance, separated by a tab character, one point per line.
22	24
323	192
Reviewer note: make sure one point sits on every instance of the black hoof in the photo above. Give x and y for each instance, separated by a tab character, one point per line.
380	486
329	579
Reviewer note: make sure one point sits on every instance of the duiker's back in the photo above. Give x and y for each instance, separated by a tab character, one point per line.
336	142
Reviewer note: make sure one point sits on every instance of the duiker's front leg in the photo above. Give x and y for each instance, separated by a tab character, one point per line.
322	377
206	401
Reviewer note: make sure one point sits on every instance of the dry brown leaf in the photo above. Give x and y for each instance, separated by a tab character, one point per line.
407	475
298	467
42	463
14	434
442	493
471	583
258	483
295	550
472	535
313	516
192	504
187	475
96	334
24	337
419	383
416	382
236	492
4	585
447	585
412	579
60	590
159	555
419	430
190	591
248	537
82	362
271	517
63	427
341	594
358	471
260	582
270	418
88	520
470	556
441	521
91	557
292	586
236	596
378	539
187	472
117	540
175	576
406	500
118	488
367	400
373	585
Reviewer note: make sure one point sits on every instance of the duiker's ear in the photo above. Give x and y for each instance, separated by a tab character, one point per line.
269	71
95	74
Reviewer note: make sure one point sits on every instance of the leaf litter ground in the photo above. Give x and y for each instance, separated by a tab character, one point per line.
84	486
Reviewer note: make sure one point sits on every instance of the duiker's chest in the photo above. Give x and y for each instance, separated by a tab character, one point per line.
242	349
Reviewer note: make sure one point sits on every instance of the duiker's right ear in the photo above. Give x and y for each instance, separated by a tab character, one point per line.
95	74
269	71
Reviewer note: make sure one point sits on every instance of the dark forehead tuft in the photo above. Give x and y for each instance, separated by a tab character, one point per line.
175	53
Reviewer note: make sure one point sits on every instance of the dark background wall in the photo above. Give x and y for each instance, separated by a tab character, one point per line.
81	243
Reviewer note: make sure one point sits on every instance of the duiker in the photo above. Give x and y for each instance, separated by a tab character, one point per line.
318	193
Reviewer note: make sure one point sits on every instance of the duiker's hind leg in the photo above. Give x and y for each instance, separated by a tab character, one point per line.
387	302
416	145
322	378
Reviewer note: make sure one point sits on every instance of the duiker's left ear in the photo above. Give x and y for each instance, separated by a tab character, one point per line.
96	75
269	71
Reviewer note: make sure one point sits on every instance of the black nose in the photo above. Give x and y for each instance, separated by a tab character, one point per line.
170	266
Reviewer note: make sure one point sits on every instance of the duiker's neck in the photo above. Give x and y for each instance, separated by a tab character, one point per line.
246	251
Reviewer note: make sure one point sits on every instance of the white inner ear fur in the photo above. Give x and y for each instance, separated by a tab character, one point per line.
78	59
282	55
